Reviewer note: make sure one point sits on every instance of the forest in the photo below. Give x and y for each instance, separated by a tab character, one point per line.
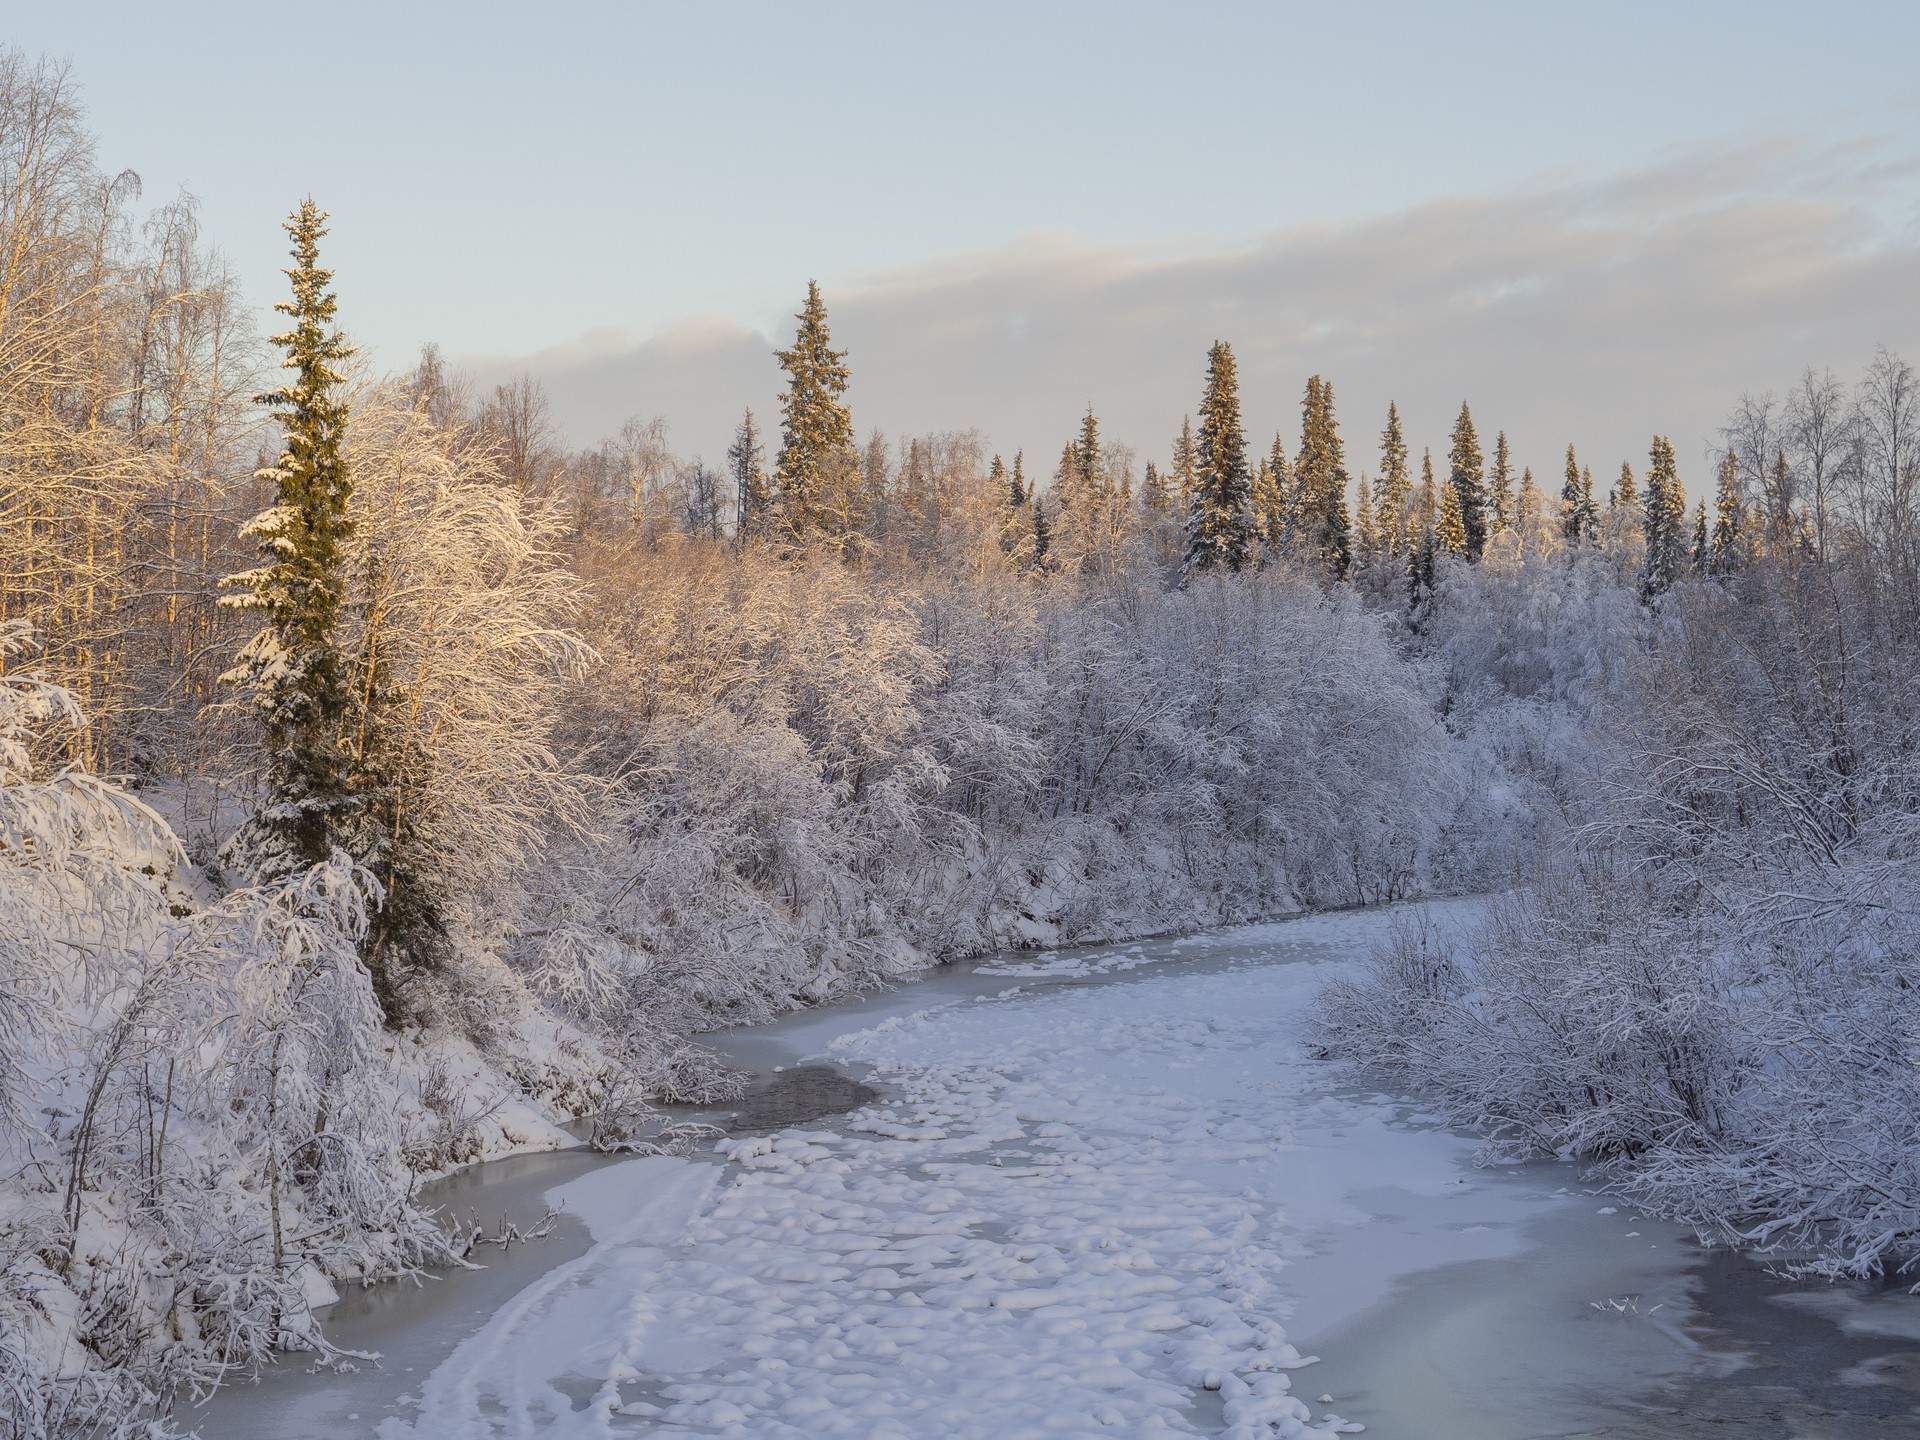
384	783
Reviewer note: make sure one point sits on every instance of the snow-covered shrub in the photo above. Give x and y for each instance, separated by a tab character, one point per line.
1585	1018
1709	988
197	1112
820	777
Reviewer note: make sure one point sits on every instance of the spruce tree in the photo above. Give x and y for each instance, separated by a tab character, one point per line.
1729	517
1393	499
1451	532
1466	482
1526	509
1702	542
1365	540
1422	567
1091	482
1285	520
746	463
1625	494
1219	526
1263	504
816	428
1426	502
1071	502
1500	487
1272	497
1779	510
1023	492
1589	507
1665	521
293	671
1573	528
1155	490
1185	467
1320	482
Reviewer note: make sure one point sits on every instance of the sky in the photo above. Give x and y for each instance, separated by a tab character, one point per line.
1593	223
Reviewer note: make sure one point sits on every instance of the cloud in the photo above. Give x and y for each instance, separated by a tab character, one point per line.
1594	309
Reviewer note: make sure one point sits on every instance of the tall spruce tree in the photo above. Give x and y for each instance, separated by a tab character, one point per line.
1702	540
1500	487
1320	482
816	428
1665	522
1393	498
752	494
1729	518
293	671
1467	481
1364	538
1219	522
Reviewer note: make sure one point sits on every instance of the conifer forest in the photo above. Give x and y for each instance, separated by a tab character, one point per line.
391	782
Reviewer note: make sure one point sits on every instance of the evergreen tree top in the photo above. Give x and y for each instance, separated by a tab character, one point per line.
1221	453
1393	449
1086	451
312	348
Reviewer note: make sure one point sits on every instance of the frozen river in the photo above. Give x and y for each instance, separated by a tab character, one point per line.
1103	1192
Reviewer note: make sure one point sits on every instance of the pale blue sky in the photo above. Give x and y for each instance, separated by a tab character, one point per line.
505	179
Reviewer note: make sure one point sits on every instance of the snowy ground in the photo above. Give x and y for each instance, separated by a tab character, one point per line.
1073	1217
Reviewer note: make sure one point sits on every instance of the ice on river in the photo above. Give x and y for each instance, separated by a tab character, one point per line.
1077	1214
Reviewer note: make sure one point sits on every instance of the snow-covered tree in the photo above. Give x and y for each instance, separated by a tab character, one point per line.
1665	526
816	429
1320	482
1219	516
1393	520
1467	486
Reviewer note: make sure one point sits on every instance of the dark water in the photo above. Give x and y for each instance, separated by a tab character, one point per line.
1816	1361
794	1095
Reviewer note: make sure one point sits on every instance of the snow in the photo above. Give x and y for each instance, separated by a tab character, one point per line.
1081	1210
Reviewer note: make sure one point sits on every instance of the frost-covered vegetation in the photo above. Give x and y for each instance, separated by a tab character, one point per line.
1706	983
383	807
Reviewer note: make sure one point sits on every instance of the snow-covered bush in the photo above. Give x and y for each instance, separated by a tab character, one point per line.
1709	987
820	777
198	1118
